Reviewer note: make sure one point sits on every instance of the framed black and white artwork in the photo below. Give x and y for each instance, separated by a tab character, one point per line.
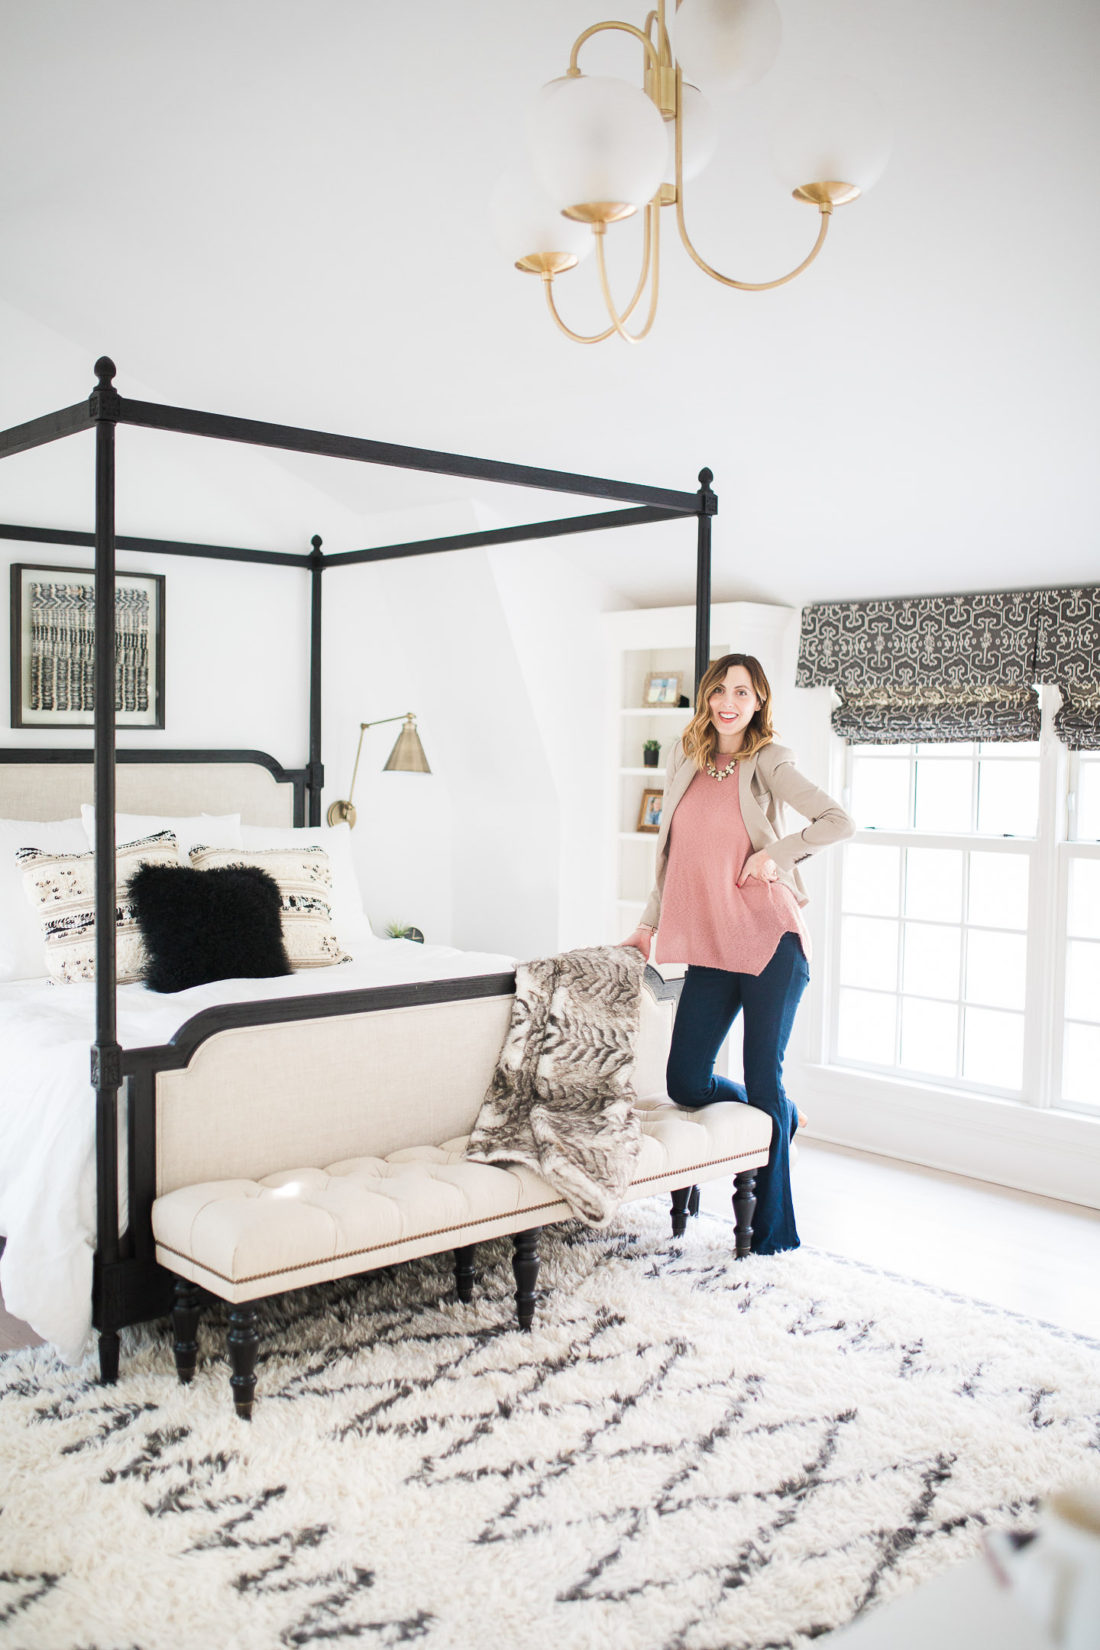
53	648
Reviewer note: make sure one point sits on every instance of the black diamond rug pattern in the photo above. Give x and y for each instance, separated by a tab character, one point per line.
687	1453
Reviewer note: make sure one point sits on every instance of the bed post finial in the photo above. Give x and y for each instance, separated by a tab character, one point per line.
705	477
105	370
316	542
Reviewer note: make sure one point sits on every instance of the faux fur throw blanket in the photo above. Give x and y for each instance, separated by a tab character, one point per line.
562	1098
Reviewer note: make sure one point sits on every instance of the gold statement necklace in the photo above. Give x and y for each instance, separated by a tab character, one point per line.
721	773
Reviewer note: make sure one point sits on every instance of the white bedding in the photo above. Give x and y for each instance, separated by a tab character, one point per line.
47	1109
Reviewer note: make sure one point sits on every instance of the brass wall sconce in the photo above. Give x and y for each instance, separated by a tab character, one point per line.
407	756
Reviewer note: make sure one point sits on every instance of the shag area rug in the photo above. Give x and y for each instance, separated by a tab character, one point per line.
687	1453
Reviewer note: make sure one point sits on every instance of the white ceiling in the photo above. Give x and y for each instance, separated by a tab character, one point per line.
279	209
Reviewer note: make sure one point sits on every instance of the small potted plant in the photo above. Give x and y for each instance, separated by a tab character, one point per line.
404	931
651	750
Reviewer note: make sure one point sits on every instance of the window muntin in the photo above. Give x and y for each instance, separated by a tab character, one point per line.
933	961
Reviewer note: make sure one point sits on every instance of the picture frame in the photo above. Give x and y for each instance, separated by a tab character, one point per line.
53	648
663	687
649	813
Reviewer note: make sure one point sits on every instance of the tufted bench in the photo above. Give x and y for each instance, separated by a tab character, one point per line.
244	1239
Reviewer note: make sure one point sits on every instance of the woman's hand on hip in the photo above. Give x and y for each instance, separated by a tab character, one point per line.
641	940
758	865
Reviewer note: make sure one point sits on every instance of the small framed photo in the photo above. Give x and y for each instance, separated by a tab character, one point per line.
53	648
649	814
663	687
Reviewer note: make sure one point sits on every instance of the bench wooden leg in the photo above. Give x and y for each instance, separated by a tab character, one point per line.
185	1323
685	1202
525	1267
244	1345
744	1205
108	1356
464	1272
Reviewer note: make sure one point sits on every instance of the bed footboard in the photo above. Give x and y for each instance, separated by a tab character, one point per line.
318	1077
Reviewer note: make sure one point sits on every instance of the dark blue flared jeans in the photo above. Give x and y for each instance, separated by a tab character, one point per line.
709	1003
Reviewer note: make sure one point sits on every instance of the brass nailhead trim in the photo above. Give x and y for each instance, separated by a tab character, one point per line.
395	1243
349	1254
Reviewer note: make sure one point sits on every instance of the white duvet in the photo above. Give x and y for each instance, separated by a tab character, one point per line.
47	1109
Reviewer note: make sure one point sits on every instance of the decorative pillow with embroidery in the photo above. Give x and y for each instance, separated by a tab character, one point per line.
61	888
304	879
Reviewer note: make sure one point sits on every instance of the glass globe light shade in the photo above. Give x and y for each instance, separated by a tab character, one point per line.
726	44
529	225
831	131
597	139
700	138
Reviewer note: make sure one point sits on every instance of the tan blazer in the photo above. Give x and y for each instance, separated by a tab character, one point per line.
766	783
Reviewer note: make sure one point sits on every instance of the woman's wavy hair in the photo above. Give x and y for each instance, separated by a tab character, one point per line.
700	737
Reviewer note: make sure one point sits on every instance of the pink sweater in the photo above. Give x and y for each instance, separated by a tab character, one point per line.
705	918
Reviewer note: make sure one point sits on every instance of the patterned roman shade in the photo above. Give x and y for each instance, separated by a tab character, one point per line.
1067	652
949	668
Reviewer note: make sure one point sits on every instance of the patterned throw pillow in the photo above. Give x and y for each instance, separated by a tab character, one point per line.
61	887
304	878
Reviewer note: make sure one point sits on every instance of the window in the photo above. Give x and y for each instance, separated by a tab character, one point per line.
1080	1073
967	951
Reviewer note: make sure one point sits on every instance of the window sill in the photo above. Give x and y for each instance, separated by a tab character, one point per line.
1051	1152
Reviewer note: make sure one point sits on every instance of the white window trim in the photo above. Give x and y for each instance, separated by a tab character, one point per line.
1067	851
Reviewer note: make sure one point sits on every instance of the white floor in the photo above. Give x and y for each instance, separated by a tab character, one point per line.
1029	1254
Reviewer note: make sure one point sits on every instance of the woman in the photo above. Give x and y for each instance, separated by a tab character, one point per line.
727	898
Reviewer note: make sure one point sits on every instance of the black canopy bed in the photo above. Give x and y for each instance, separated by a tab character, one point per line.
128	1286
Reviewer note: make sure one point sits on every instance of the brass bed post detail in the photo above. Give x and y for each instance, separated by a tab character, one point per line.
104	405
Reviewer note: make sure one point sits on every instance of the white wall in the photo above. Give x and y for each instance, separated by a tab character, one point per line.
553	612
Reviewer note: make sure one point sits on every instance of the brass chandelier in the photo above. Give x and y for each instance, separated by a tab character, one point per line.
602	149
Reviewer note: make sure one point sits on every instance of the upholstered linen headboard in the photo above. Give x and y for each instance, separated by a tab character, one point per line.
46	785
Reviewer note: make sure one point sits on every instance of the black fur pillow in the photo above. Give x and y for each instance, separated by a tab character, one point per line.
222	924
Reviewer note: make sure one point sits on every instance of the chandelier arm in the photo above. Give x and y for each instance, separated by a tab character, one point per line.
727	280
577	337
625	28
652	210
598	337
752	286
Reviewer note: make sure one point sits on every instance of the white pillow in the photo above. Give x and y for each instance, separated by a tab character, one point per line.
216	830
347	900
22	953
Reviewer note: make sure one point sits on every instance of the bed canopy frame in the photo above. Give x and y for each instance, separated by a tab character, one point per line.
122	1291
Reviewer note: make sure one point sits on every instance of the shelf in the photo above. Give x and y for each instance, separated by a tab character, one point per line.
683	711
642	773
637	836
